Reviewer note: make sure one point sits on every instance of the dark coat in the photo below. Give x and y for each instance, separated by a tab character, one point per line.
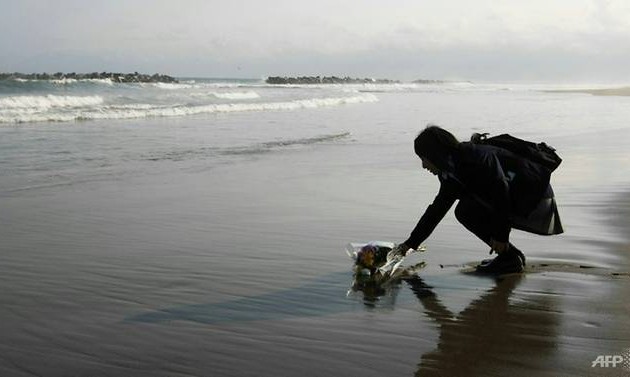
510	187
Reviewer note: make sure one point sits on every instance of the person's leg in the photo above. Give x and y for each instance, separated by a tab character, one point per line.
479	220
476	218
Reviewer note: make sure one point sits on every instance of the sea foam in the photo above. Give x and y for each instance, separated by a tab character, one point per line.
236	95
48	101
62	109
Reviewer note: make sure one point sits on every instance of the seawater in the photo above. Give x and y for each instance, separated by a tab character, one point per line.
70	100
92	124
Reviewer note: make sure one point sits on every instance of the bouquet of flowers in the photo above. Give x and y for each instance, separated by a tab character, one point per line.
373	257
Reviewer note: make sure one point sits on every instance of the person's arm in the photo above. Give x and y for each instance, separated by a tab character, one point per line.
433	214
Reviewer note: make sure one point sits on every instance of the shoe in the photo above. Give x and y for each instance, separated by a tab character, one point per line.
512	248
505	263
520	255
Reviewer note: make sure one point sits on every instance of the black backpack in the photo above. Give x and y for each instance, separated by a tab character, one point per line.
540	153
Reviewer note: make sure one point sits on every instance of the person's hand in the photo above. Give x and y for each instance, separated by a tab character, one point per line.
498	246
399	250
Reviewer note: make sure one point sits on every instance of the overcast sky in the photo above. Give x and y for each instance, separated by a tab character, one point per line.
541	40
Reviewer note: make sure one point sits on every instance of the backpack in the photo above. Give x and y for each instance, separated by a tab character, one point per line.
540	153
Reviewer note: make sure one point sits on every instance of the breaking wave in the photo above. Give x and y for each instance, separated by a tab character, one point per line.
64	81
237	95
48	101
52	108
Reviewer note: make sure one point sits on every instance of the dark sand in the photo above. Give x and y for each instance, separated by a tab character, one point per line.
97	283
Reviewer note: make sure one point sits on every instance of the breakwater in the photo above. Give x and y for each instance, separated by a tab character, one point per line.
113	76
325	80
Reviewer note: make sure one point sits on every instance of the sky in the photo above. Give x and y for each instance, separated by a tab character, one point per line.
480	40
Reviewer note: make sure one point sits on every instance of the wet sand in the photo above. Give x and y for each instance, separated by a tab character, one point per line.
267	294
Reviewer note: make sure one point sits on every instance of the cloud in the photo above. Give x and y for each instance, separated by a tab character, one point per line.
483	38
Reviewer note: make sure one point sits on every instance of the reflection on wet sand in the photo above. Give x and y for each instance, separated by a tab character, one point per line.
375	293
380	291
491	336
302	301
518	325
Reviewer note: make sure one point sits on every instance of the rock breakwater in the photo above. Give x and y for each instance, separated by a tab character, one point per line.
113	76
325	80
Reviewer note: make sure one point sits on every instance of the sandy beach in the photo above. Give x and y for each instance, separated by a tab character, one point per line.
180	182
178	260
620	91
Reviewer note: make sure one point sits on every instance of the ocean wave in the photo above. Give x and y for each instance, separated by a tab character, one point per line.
276	144
253	149
169	85
236	95
63	109
193	85
412	87
75	81
48	101
227	95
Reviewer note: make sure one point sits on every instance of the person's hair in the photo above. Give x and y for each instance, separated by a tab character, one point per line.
436	145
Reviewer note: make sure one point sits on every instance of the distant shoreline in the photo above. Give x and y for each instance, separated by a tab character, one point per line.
114	76
621	91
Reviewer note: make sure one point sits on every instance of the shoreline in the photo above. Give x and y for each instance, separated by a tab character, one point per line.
620	91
